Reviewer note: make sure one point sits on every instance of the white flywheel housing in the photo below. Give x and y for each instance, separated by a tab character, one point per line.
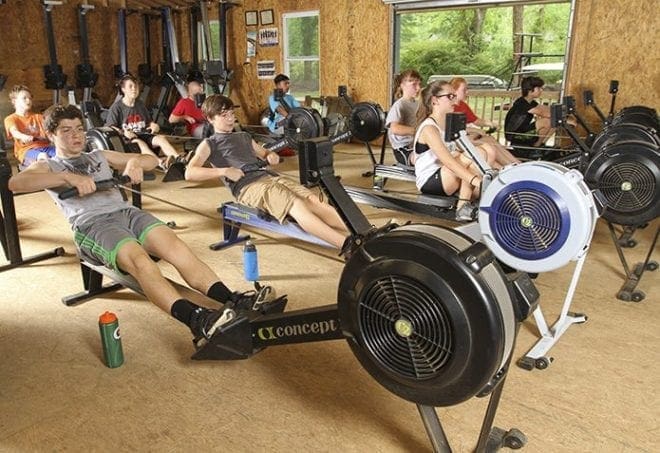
537	216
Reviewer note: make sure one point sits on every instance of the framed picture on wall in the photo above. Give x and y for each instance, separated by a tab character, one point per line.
251	18
267	17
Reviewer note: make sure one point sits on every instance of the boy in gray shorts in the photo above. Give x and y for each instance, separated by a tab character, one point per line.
110	231
228	152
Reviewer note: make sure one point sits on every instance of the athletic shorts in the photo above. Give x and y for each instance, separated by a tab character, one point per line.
433	185
273	194
146	138
99	240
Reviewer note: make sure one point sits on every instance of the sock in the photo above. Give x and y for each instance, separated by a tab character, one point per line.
183	310
218	291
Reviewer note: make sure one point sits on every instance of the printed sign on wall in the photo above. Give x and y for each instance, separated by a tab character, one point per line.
268	37
266	69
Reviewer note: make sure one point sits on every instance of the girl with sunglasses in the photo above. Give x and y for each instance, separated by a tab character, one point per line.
440	168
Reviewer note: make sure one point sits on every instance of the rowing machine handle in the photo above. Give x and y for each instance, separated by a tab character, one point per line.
569	103
342	93
614	87
557	115
103	184
255	166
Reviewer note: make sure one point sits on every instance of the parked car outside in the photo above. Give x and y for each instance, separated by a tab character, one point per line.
474	81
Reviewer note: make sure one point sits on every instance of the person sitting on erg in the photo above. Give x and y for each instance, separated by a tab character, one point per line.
230	153
111	232
278	113
440	168
186	110
26	128
132	118
402	116
527	123
476	134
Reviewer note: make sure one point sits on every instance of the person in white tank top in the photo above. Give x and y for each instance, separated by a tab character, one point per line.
440	168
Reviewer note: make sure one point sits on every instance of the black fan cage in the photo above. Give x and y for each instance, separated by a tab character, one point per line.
301	125
529	223
628	186
405	327
366	121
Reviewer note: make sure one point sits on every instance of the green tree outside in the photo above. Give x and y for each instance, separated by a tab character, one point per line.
480	40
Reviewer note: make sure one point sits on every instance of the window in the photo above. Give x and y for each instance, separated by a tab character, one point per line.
487	45
301	52
214	31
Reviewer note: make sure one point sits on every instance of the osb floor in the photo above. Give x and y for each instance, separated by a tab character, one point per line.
599	395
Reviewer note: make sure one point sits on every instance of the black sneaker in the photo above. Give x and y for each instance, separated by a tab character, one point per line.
253	299
467	213
205	322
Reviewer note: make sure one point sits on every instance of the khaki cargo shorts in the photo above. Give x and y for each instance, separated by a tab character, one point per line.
273	194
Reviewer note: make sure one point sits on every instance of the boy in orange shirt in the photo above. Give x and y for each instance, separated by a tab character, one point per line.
26	128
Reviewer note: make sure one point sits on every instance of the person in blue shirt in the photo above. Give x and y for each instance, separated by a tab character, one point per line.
278	113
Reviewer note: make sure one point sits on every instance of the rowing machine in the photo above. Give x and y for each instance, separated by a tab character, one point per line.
427	311
536	217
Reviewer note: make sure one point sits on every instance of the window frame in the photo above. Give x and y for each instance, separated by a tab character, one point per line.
286	60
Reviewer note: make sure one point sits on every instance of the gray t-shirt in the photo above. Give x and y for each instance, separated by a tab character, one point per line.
81	210
235	150
135	119
403	111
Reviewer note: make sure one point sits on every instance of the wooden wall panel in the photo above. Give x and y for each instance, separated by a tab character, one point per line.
249	92
23	58
354	51
616	40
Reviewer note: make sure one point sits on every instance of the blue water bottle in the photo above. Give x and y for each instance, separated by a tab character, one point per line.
250	262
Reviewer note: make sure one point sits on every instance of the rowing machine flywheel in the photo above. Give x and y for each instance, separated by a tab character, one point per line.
628	176
537	216
302	124
366	121
624	133
101	138
428	313
638	114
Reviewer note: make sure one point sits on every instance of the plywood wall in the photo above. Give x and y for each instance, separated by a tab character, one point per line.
616	39
354	50
24	46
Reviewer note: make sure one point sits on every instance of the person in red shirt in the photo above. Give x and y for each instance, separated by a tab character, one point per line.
474	124
186	109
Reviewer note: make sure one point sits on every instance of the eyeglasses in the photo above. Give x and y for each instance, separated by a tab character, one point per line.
227	113
450	96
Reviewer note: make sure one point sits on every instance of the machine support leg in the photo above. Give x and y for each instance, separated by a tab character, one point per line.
434	429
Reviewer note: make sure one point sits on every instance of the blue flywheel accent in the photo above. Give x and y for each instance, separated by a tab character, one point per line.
529	220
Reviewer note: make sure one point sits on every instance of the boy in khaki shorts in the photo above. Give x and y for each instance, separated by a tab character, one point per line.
228	152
